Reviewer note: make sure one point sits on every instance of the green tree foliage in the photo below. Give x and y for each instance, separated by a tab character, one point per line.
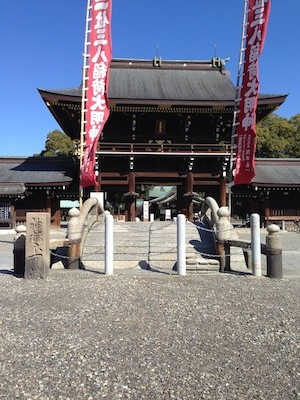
58	144
278	137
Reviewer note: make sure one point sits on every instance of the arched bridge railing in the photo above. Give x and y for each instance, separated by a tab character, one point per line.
79	225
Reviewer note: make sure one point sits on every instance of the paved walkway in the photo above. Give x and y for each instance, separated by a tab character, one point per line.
290	242
290	246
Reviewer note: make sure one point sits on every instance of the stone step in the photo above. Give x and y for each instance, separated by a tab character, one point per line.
118	264
122	227
147	245
117	257
162	257
166	265
120	234
116	242
170	246
136	251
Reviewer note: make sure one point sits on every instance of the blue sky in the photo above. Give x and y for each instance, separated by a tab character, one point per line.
42	45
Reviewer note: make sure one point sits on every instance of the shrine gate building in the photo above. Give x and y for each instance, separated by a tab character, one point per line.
170	124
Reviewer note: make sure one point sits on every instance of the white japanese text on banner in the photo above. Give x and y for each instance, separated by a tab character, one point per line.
97	110
258	17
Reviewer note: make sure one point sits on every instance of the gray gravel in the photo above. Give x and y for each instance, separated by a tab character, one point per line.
82	335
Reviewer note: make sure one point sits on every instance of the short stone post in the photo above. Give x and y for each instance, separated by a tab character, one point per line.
223	228
74	236
181	251
274	252
37	251
19	250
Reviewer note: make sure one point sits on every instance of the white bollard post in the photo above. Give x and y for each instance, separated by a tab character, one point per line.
255	244
181	256
109	245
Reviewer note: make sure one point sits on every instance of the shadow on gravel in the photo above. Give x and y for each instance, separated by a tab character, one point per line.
144	265
93	271
12	273
238	273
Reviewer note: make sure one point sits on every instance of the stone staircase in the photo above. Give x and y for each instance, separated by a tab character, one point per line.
150	246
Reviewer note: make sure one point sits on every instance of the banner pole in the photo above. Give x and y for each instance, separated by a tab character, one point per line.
257	22
83	95
237	102
98	54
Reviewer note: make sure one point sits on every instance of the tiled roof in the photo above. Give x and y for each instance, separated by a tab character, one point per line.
175	85
42	171
277	172
174	81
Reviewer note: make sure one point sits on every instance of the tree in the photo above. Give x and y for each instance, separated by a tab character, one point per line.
278	137
58	144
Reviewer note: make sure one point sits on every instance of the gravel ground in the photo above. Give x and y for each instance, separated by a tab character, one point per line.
82	335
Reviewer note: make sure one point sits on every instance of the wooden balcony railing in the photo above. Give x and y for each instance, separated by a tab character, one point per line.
168	149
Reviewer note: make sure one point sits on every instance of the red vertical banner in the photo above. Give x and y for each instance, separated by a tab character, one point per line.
96	104
258	16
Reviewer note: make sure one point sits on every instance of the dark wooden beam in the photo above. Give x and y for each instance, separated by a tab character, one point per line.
206	183
113	182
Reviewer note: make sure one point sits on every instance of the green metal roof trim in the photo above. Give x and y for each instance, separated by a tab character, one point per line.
69	203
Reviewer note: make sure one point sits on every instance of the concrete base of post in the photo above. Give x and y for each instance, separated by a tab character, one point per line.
227	257
274	263
274	252
220	247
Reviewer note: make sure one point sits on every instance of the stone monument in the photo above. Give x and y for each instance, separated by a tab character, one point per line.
37	253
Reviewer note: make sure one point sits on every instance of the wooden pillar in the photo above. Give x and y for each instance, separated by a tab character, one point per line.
56	213
267	212
190	189
132	210
223	192
180	200
48	205
97	188
131	199
13	217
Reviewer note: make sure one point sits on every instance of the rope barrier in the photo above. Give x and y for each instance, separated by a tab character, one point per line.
53	228
232	228
52	253
200	227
